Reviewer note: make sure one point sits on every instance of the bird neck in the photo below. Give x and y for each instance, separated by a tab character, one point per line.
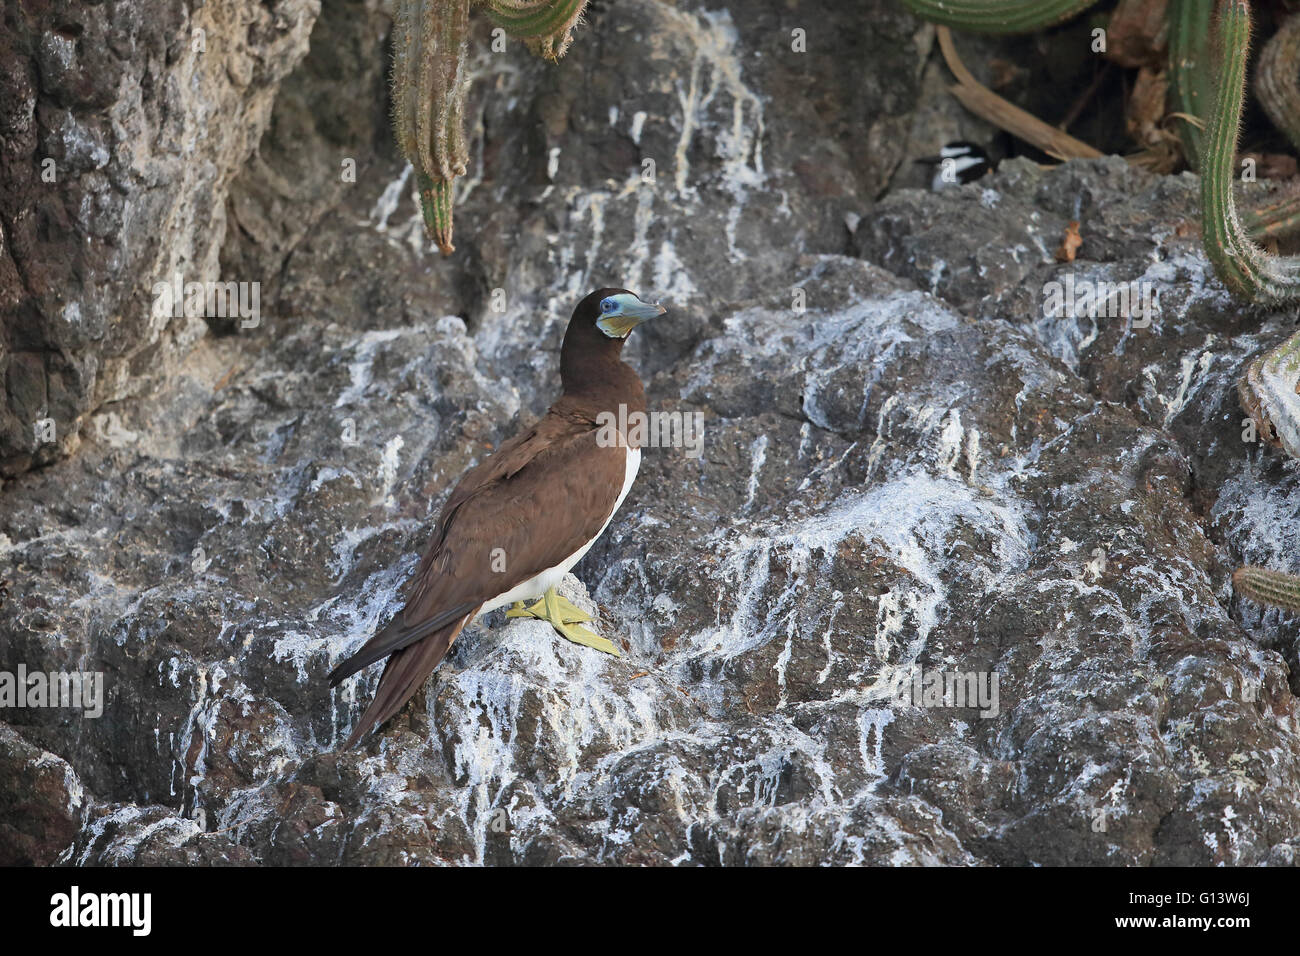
592	370
603	384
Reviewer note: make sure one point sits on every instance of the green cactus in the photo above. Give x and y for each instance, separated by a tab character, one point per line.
1189	53
436	205
1275	588
998	16
545	26
431	81
1244	266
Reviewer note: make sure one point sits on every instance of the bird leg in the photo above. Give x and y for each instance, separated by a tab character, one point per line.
565	617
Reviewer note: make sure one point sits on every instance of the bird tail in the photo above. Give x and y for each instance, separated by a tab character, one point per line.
406	670
395	636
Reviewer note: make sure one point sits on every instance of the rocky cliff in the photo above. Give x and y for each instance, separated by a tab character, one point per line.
909	466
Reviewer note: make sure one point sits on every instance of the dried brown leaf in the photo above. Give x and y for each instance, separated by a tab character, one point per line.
1070	244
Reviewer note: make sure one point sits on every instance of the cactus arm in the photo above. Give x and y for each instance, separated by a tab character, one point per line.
430	82
1189	41
1272	221
1277	84
998	16
1244	267
546	26
436	207
426	106
531	18
1276	588
403	112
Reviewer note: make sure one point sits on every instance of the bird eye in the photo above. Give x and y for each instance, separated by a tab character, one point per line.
607	305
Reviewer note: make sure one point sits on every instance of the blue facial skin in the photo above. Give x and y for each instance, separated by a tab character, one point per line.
620	314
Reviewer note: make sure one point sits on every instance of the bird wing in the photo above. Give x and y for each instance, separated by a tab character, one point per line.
546	498
543	495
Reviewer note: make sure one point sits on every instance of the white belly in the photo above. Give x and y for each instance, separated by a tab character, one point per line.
542	582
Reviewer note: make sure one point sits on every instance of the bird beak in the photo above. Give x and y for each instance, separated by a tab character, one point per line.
628	316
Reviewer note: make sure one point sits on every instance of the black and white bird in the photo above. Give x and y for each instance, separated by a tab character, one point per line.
957	163
521	519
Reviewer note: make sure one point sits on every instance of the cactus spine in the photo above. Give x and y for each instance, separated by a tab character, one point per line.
431	82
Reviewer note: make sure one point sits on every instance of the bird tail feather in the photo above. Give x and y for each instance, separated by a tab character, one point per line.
392	638
403	675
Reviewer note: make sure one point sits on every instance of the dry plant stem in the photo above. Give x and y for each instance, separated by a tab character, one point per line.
1077	107
987	105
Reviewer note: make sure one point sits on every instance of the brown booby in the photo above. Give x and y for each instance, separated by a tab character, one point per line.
521	519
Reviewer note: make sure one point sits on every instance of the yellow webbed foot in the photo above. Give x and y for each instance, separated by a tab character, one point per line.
580	635
564	616
570	613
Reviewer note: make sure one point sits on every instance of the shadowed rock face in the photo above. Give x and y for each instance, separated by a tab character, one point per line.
123	125
907	470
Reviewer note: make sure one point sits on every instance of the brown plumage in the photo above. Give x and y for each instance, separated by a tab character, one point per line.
540	498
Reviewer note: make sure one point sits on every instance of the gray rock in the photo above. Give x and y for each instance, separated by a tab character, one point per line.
907	470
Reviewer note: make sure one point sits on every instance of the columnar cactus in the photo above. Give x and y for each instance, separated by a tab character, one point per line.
1244	266
1189	77
1276	588
431	81
998	16
1277	87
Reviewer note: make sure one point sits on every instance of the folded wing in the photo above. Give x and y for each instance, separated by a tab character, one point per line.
528	507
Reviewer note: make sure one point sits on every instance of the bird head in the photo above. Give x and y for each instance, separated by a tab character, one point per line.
596	335
617	311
